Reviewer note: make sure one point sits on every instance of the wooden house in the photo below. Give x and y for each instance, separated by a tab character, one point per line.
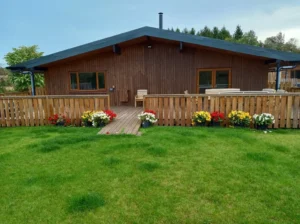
160	61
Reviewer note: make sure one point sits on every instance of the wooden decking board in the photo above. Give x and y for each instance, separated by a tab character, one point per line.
126	121
133	124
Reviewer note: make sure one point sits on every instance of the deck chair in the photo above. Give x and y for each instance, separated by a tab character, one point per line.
140	96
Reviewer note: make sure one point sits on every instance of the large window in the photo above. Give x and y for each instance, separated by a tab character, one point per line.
87	81
213	78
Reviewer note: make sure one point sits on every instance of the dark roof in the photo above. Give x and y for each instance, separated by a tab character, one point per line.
163	34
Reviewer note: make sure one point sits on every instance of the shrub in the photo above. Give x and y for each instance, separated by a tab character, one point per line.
263	119
217	116
201	118
59	120
239	118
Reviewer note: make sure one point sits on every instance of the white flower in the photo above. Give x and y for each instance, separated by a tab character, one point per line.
145	116
264	119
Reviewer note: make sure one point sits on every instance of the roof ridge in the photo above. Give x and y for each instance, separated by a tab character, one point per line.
162	34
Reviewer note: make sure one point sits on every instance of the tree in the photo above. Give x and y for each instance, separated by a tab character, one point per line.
215	32
3	72
275	42
224	34
22	54
185	30
3	79
177	30
238	33
205	32
20	81
278	43
249	38
291	46
193	31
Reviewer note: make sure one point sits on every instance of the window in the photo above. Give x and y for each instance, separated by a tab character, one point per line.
295	74
213	78
87	80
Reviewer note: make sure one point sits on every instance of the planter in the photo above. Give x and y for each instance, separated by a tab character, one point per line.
146	124
60	124
262	127
100	125
215	124
240	126
201	124
87	124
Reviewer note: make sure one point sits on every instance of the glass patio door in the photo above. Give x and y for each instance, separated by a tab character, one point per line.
213	78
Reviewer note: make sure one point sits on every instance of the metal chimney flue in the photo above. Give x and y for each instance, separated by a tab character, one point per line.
160	20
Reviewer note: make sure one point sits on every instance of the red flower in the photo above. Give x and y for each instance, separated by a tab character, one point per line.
217	116
55	119
107	133
150	111
111	114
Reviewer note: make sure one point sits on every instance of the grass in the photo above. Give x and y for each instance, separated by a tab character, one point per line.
86	202
167	175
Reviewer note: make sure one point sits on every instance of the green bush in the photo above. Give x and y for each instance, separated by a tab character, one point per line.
21	82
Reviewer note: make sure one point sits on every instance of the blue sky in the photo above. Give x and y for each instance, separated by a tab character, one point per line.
56	25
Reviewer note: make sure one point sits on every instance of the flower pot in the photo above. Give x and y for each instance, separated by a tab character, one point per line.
201	124
99	124
240	126
87	124
60	123
215	124
146	124
262	127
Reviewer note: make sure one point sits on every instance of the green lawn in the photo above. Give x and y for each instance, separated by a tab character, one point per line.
168	175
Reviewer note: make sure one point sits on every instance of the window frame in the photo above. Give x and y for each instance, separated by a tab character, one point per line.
88	90
214	72
293	73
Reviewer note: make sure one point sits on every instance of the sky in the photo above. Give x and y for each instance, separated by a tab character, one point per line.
56	25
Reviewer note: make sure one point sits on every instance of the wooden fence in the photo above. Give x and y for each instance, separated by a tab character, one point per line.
178	109
39	91
35	110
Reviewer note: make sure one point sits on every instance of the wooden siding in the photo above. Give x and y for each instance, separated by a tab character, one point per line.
161	69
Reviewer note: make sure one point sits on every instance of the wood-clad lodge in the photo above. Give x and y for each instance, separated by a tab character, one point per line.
160	61
161	69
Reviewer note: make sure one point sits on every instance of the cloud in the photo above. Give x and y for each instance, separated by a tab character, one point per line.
269	23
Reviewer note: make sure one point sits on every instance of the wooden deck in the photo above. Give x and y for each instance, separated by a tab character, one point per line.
126	121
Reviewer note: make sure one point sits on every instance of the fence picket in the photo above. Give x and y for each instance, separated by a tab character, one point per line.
283	112
277	111
182	111
35	112
171	120
177	110
161	119
296	118
188	111
289	111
